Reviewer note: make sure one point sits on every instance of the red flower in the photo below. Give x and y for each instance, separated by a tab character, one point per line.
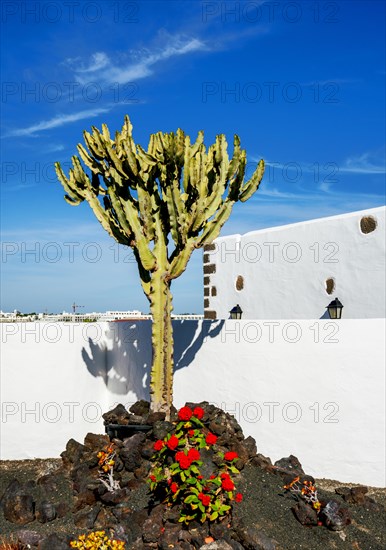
200	477
191	433
174	487
185	462
210	439
212	477
238	497
227	485
230	455
225	475
172	443
185	413
198	412
193	454
158	445
152	478
179	455
205	499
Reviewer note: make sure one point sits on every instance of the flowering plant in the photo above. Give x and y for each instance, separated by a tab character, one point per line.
97	540
177	476
306	490
106	463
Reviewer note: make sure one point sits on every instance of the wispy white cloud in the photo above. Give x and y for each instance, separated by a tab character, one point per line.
368	163
57	121
103	69
98	61
323	174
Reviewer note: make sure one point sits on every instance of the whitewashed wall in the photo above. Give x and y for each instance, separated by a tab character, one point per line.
285	269
311	388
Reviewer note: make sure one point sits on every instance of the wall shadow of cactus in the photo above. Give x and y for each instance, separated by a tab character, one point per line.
123	356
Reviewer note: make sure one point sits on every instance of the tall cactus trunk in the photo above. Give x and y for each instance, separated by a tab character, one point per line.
161	307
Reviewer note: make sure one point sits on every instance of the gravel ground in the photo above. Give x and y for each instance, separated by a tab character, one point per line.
264	505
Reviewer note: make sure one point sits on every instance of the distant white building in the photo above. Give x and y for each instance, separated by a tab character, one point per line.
295	271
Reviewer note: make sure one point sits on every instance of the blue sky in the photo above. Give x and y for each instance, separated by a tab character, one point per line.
302	84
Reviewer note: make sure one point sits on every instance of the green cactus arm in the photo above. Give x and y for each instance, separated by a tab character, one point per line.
145	276
180	259
145	209
74	196
93	146
251	186
128	218
213	228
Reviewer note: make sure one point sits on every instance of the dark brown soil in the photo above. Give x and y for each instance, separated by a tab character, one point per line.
264	505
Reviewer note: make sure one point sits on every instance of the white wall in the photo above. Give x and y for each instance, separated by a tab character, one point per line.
285	269
48	392
311	388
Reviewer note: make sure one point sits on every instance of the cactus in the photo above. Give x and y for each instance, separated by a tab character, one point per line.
175	190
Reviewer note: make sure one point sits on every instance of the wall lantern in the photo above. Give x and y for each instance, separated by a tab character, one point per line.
236	312
335	309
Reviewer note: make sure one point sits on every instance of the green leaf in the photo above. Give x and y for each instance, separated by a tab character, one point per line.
183	476
234	470
224	508
194	469
201	507
191	481
213	516
190	499
197	421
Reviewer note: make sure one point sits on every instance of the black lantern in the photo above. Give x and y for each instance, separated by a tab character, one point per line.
236	312
335	309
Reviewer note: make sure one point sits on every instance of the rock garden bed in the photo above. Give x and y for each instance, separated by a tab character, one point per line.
136	491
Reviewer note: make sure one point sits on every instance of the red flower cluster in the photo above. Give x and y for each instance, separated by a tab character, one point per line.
210	439
238	497
172	443
158	445
186	413
231	455
198	412
185	461
205	499
226	483
193	454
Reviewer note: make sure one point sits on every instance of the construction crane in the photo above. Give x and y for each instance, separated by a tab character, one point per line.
74	306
